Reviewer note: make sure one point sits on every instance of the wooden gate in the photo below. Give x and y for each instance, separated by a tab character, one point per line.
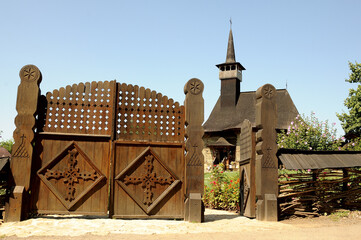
73	149
247	170
105	148
148	155
258	161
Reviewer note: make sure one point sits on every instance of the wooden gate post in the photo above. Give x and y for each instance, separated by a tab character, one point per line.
22	151
194	160
266	149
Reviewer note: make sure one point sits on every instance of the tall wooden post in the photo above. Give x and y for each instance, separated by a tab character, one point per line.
22	151
266	149
194	160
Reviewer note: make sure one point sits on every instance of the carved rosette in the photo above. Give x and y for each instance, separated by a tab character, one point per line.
30	73
194	86
268	91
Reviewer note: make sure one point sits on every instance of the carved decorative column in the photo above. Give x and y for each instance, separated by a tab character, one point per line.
22	151
266	149
194	159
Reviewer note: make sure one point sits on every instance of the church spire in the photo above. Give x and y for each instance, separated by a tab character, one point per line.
230	74
231	58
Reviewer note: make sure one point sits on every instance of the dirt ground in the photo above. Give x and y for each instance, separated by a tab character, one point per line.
218	225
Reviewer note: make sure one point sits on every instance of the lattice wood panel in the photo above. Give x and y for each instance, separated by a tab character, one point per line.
143	114
81	108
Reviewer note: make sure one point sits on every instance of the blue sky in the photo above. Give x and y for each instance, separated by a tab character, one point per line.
162	44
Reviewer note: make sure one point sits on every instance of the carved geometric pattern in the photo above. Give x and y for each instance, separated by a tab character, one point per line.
194	86
145	114
29	73
268	161
21	150
268	91
195	160
149	180
80	108
71	176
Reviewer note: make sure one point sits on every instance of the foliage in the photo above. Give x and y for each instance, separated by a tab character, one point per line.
354	145
223	192
309	133
7	144
351	122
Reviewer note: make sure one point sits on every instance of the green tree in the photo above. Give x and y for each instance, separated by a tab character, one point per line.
351	122
7	144
309	133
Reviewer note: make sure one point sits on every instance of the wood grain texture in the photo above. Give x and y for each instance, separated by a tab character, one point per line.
194	159
97	137
247	170
26	106
194	108
266	149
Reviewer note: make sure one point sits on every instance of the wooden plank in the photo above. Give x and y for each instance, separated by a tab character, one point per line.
76	135
175	144
149	217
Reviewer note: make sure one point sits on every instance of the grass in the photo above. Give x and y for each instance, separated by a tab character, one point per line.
229	174
339	214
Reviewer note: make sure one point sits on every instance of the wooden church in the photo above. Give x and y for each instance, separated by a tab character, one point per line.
223	126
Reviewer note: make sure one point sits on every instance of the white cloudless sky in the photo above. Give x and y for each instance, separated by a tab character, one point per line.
162	44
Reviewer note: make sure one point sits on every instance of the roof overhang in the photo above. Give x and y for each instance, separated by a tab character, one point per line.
297	159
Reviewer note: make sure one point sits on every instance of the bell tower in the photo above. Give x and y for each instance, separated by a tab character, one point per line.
230	74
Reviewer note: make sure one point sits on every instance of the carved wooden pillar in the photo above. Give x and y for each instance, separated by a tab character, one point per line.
266	149
22	151
194	160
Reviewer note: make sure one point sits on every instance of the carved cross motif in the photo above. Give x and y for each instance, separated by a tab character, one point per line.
148	180
71	175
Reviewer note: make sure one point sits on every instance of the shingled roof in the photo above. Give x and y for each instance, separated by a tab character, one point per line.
231	118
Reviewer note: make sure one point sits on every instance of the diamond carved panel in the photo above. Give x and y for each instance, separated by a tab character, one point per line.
70	175
141	172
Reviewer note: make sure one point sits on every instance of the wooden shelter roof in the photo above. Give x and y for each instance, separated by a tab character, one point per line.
296	159
222	119
4	157
221	142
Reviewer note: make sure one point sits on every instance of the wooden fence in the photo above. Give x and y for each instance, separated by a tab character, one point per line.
314	192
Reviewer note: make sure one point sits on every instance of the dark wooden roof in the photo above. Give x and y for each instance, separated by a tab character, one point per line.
3	162
4	153
221	142
295	159
232	117
4	157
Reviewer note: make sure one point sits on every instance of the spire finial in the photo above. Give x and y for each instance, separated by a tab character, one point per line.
230	49
230	22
